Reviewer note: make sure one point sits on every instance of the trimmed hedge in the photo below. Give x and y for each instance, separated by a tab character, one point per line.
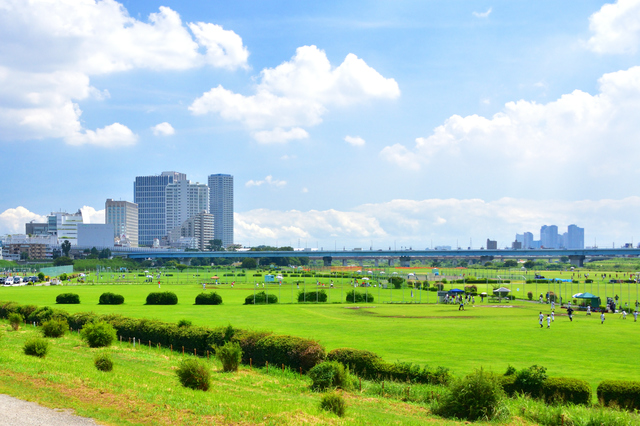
162	298
261	298
357	297
624	394
208	299
370	366
312	296
554	389
45	313
111	299
68	299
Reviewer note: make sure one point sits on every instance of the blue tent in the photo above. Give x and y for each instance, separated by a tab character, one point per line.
456	290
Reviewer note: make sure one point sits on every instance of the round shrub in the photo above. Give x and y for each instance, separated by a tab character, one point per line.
103	362
230	356
312	296
478	396
185	323
334	403
261	298
45	313
357	297
212	298
162	298
111	299
566	390
55	327
194	374
79	319
68	299
98	334
15	319
530	380
362	363
27	310
330	374
621	393
36	346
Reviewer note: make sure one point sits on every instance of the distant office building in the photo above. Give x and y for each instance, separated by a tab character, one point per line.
149	194
492	245
34	228
195	232
95	235
575	237
65	226
221	207
516	245
527	241
184	200
549	236
123	215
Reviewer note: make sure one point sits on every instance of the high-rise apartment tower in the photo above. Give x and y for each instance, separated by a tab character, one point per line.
124	217
221	207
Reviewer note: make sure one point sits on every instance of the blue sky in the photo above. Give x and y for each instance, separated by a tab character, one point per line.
344	123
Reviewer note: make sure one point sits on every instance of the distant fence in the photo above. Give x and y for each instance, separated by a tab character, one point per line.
57	270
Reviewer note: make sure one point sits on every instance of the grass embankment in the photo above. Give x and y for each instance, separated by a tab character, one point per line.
143	389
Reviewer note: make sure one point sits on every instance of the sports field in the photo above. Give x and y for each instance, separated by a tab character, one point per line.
491	333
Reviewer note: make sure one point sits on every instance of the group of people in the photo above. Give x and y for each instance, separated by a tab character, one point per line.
458	299
570	311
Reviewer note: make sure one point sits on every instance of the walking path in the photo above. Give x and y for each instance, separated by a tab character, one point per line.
16	412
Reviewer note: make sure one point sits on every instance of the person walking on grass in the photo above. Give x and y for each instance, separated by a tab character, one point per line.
570	312
589	310
553	305
461	308
602	318
540	319
624	314
548	321
635	316
553	316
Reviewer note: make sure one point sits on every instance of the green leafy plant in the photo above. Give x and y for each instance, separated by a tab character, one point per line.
55	327
212	298
162	298
477	396
194	374
103	361
230	355
67	299
530	380
15	319
333	402
185	323
98	334
357	297
36	346
329	374
111	299
312	296
261	298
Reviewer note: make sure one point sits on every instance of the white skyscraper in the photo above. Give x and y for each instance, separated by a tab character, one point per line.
183	200
221	207
65	226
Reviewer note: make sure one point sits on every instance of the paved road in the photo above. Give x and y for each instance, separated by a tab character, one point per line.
16	412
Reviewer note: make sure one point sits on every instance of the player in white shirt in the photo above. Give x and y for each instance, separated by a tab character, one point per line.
624	314
548	321
588	310
553	316
553	305
602	318
540	319
635	316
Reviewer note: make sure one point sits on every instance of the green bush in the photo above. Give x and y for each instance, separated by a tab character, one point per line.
361	363
312	296
566	390
530	295
111	299
185	323
208	299
357	297
162	298
67	299
294	352
103	361
260	298
55	327
230	355
15	319
98	334
624	394
334	403
397	282
194	374
79	319
477	396
27	310
36	346
329	374
530	380
45	313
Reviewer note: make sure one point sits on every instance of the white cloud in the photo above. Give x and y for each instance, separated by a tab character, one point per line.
278	135
269	180
443	221
163	129
305	190
354	140
569	137
12	220
482	14
616	28
91	215
45	70
297	94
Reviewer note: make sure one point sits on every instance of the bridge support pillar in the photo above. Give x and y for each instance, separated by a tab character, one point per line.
345	262
577	260
327	260
405	261
484	259
390	262
375	262
361	264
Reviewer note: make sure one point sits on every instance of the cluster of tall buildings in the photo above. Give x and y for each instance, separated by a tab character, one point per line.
168	210
550	238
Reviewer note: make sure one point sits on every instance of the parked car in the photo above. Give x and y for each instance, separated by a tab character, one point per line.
18	281
8	281
2	280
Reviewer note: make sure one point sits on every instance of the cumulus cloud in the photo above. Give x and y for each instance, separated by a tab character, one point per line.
443	221
297	94
45	71
482	14
91	215
163	129
12	220
551	141
269	180
354	140
616	28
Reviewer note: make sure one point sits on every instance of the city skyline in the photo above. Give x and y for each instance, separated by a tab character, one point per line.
362	124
